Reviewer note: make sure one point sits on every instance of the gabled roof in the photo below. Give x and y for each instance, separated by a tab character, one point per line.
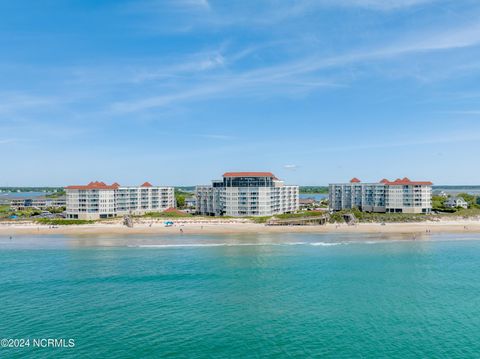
146	184
456	198
94	185
406	181
249	174
355	180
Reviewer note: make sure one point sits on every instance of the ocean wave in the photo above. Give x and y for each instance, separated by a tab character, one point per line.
176	245
226	244
326	244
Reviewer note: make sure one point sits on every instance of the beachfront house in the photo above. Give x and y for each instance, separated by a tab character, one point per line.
190	202
399	196
241	194
456	202
307	203
37	203
99	200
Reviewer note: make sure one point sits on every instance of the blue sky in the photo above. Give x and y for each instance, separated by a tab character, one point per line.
178	92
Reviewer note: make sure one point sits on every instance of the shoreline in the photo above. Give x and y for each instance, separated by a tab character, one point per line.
237	227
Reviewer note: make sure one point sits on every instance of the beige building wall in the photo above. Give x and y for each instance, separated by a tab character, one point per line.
94	203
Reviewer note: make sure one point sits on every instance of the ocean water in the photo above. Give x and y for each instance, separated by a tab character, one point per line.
11	195
315	196
266	296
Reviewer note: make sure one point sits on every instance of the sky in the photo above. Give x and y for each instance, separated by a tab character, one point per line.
177	92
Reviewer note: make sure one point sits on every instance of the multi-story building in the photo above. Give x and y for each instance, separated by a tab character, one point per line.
240	194
37	203
99	200
399	196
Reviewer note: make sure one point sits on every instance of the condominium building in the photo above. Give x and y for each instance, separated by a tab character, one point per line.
399	196
240	194
99	200
37	203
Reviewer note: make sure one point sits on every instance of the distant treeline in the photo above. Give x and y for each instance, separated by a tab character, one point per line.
185	188
303	189
313	189
456	187
31	189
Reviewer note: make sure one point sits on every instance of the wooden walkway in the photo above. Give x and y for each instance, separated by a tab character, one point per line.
300	221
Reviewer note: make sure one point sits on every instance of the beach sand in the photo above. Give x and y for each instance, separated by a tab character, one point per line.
235	227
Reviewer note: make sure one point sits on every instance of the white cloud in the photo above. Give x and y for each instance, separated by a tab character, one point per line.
440	138
190	4
259	13
465	112
378	4
299	75
4	141
13	102
216	136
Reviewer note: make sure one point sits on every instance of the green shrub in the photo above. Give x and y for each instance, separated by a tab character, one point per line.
300	214
63	222
369	217
166	215
263	219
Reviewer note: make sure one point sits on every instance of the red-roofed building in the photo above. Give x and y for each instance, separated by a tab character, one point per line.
100	200
398	196
93	186
406	182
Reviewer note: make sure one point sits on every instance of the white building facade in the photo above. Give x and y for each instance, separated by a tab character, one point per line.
37	203
399	196
99	200
241	194
456	202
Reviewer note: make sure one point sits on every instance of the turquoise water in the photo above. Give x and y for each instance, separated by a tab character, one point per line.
273	296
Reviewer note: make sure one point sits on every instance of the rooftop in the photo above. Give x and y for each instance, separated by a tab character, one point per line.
102	185
95	185
249	174
405	181
398	182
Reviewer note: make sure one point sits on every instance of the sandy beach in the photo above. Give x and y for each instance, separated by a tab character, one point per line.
235	227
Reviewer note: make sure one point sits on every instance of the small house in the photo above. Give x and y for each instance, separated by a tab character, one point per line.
455	202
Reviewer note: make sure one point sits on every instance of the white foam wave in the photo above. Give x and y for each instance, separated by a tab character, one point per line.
326	244
177	245
192	245
186	245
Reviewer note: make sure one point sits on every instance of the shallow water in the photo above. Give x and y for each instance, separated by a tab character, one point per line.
272	295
